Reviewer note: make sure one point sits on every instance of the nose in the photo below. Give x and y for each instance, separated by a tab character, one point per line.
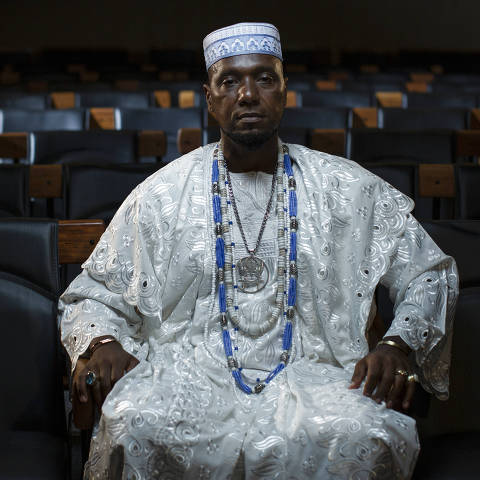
248	92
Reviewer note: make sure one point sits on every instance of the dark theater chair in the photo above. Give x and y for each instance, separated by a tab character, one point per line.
14	189
423	118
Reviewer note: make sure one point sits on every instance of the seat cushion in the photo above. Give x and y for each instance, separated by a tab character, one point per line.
32	456
449	457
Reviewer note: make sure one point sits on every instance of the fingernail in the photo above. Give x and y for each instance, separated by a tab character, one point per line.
389	404
83	398
406	405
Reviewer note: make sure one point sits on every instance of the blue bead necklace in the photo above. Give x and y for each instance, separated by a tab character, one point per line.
226	275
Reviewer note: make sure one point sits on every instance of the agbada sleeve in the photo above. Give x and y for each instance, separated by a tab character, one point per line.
119	291
423	284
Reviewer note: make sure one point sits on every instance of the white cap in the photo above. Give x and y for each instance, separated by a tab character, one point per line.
242	39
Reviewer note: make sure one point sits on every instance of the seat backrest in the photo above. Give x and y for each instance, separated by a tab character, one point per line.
377	145
468	192
401	176
440	100
33	101
29	286
421	118
18	120
114	99
94	146
317	117
85	192
14	188
346	99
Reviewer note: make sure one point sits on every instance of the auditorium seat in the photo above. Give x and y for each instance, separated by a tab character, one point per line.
468	192
93	146
401	176
423	118
14	188
96	191
346	99
115	99
170	120
317	117
440	100
20	120
29	101
32	417
377	145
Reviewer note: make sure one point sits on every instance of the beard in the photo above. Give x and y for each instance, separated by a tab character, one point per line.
251	140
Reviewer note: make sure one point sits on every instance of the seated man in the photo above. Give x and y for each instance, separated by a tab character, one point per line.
226	307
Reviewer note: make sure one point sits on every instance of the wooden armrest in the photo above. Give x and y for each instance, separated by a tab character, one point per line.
468	142
13	145
326	85
328	140
291	99
475	119
45	181
365	117
83	413
152	143
77	239
102	119
186	99
389	99
418	87
63	100
188	139
163	98
424	77
436	180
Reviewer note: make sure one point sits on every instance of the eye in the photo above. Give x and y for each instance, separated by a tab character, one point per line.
228	82
266	78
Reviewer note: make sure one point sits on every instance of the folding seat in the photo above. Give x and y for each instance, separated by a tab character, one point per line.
85	192
170	120
92	146
468	192
14	187
402	176
32	417
16	120
115	99
345	99
440	100
30	101
320	117
450	435
376	145
423	118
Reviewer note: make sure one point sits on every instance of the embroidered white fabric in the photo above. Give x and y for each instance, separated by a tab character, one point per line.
151	283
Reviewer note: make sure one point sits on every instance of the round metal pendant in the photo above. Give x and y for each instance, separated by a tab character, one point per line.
252	274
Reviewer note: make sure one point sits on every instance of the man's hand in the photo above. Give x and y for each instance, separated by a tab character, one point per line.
109	362
384	383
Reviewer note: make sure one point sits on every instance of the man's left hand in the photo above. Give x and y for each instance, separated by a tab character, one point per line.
381	368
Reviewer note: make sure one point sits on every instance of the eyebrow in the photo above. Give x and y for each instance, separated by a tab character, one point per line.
239	71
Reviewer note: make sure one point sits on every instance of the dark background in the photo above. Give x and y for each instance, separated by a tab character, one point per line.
381	25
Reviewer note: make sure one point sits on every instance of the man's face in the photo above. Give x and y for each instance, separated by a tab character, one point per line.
246	94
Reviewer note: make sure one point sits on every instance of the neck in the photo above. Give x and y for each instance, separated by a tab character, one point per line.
240	159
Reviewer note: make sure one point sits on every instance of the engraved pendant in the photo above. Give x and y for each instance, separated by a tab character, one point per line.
252	274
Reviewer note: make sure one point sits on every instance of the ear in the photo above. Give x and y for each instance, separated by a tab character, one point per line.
285	92
208	97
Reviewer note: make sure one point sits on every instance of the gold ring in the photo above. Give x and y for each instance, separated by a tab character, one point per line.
404	373
412	378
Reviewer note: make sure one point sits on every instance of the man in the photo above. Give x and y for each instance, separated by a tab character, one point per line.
226	307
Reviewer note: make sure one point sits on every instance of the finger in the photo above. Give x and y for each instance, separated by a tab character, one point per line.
105	384
97	394
358	374
409	392
373	377
384	386
132	364
396	393
80	386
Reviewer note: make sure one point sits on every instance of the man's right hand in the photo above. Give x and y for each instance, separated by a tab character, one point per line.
109	363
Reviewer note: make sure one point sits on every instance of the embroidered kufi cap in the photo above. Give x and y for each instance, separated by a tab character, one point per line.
242	39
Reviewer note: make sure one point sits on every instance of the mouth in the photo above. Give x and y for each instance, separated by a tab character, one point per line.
250	117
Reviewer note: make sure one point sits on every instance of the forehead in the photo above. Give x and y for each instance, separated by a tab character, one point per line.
250	62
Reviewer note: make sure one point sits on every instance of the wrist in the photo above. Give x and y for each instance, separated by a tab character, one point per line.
395	342
99	342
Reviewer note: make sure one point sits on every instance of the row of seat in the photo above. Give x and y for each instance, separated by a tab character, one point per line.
34	440
439	190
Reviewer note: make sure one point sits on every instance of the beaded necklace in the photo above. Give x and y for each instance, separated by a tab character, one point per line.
226	275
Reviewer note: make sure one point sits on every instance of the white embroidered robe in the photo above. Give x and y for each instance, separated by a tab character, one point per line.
151	284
